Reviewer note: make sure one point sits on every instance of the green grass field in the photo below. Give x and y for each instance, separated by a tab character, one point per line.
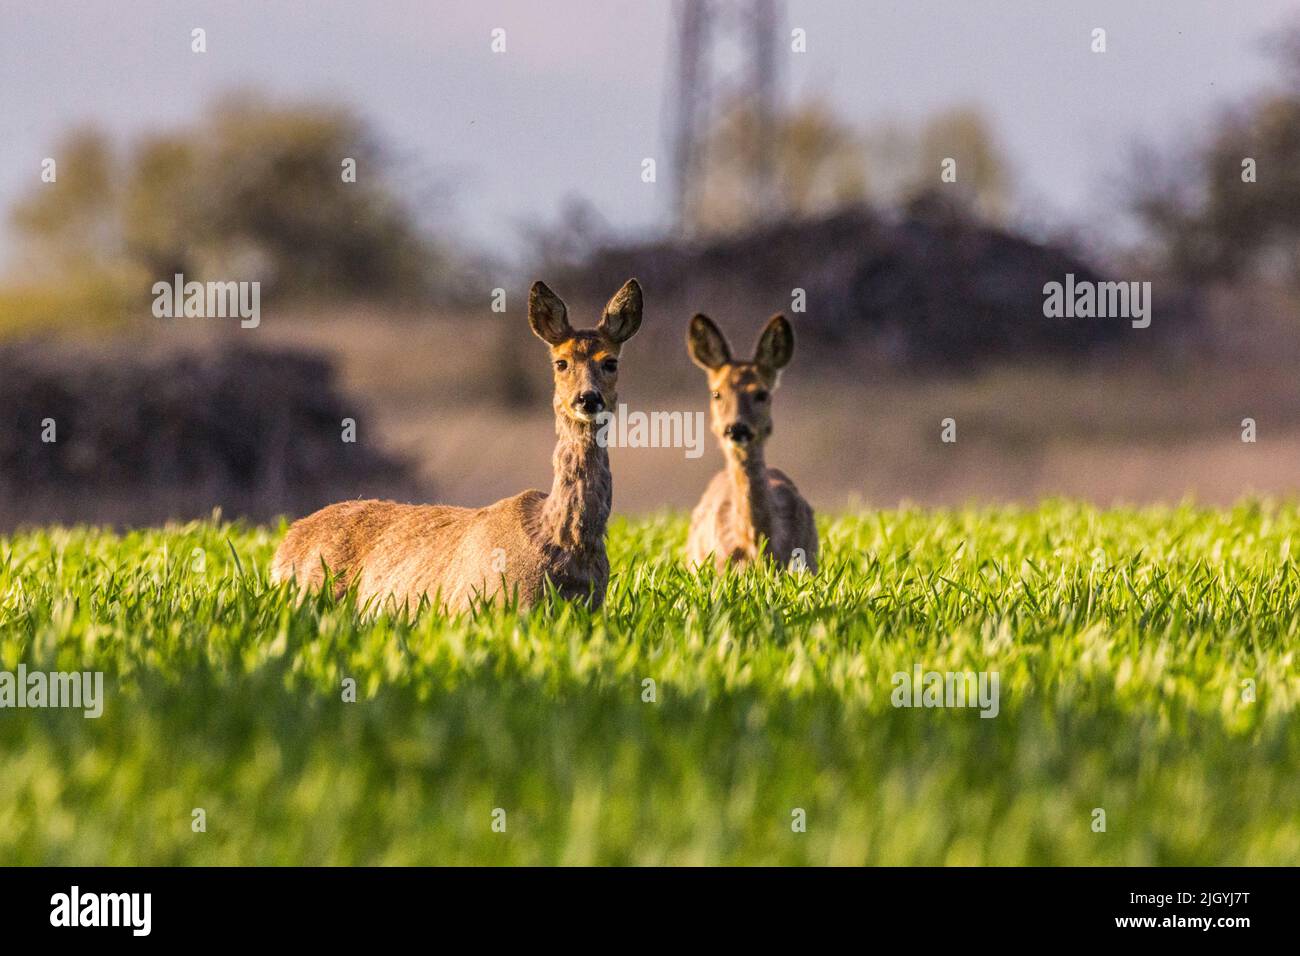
1122	640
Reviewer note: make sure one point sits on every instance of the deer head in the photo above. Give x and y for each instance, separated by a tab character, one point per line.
585	361
740	391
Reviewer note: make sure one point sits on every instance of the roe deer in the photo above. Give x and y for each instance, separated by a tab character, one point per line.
748	509
513	547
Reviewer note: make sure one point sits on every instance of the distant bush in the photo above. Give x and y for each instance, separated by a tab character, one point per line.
146	439
933	287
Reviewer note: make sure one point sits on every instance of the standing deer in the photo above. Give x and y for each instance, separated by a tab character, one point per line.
511	548
748	510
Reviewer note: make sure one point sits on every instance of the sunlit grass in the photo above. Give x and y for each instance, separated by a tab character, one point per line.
1122	640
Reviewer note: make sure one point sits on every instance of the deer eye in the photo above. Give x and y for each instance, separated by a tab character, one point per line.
561	365
611	365
717	395
760	395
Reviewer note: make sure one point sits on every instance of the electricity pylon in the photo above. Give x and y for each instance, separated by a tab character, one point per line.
725	58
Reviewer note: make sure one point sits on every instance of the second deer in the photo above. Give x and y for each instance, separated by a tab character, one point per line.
749	511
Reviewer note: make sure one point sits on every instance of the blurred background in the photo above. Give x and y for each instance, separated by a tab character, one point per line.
740	157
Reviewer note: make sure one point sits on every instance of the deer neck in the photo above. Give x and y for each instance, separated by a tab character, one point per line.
575	513
750	502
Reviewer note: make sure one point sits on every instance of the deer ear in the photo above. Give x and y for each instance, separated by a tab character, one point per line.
776	344
622	316
707	344
547	315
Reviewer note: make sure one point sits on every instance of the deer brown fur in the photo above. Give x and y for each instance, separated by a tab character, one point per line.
455	555
749	510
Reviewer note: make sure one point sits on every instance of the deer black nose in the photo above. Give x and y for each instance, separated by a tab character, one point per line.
738	432
589	402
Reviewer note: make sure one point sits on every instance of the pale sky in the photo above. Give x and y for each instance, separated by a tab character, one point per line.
576	102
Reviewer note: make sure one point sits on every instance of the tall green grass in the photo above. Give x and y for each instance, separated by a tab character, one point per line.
1122	640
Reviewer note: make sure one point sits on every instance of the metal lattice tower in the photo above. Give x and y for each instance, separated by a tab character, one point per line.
704	84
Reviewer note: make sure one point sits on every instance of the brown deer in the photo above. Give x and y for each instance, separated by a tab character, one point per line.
454	556
748	510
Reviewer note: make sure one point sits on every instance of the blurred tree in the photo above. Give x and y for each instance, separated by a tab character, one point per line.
160	211
73	222
965	136
1231	205
255	192
820	162
271	196
820	166
891	148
